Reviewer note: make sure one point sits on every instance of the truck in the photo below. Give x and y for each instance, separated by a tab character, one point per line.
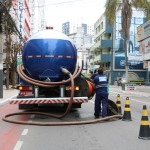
50	73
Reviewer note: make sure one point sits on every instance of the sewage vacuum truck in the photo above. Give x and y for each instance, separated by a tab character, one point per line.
50	73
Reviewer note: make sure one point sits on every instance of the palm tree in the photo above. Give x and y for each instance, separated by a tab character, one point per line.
125	6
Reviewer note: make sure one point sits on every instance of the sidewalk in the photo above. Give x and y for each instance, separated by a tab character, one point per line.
7	94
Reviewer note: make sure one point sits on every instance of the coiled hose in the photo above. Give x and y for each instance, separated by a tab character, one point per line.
53	84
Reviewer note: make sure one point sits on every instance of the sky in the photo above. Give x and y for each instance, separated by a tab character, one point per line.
60	11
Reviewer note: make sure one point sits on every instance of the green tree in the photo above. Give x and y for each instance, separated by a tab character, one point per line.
126	7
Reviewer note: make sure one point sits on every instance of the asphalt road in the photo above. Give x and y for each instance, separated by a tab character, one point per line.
109	135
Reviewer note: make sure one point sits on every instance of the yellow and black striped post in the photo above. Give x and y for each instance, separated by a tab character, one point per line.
118	103
144	128
127	113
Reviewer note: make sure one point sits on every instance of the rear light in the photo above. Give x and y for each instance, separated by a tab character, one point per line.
70	88
25	88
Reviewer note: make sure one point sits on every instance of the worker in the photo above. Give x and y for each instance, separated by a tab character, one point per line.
101	84
95	74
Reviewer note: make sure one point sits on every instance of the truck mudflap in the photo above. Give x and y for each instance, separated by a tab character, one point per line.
47	100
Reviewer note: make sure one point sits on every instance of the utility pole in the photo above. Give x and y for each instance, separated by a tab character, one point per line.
1	57
1	67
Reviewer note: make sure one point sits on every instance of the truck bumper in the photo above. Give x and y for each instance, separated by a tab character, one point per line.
47	100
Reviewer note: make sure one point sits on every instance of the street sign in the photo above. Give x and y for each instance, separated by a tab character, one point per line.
130	87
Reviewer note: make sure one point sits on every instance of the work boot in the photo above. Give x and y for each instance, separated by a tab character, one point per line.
96	117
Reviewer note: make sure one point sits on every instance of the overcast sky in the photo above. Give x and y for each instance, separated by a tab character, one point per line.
60	11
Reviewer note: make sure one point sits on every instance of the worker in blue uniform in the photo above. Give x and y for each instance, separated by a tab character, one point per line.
95	74
101	86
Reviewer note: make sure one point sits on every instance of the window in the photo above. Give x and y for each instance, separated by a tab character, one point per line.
101	25
98	28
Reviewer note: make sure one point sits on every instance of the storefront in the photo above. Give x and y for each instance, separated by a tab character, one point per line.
143	37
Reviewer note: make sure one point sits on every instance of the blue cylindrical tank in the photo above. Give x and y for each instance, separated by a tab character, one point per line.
46	52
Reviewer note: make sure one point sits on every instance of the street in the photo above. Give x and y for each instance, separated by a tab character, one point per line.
113	134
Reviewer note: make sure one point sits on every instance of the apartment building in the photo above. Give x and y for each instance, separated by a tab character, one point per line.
108	51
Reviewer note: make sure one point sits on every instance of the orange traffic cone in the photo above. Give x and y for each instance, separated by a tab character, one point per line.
144	128
118	103
127	113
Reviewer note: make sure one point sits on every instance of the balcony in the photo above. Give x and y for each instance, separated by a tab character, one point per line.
96	59
106	43
95	46
106	57
109	29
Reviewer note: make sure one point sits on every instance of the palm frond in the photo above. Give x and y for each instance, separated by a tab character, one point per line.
143	5
111	9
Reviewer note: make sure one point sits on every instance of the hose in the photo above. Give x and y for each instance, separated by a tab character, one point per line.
55	123
19	69
42	83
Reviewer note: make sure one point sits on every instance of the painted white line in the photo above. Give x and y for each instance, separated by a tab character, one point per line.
25	131
18	145
139	101
131	94
6	101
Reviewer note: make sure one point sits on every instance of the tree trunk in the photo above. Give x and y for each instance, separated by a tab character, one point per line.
7	76
126	57
13	77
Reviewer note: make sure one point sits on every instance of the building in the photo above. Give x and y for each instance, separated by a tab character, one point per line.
90	29
101	52
108	50
83	43
143	37
37	20
71	27
24	16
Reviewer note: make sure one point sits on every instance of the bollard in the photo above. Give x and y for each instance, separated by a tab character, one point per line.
144	128
118	103
127	113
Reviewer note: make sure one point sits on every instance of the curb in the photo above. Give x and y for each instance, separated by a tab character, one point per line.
6	101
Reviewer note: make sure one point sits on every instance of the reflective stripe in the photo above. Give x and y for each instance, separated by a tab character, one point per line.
126	109
101	85
145	123
144	113
48	100
127	102
49	56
